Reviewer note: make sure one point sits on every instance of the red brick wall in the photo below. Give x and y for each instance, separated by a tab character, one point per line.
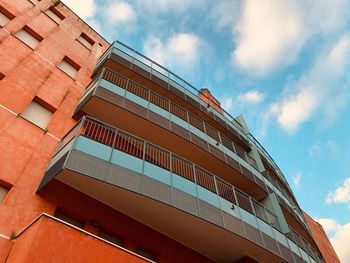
322	241
25	149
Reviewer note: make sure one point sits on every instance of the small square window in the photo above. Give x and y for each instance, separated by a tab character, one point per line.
54	14
69	67
34	1
29	37
2	75
37	114
5	16
86	40
3	192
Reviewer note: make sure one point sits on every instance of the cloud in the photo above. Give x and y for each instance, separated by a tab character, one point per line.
227	103
179	50
120	12
339	237
316	90
251	97
332	147
329	225
341	241
85	10
270	35
168	6
315	150
327	148
264	34
224	13
296	179
341	194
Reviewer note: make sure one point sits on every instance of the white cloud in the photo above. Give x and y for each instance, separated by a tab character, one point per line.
85	10
168	6
252	96
329	225
224	13
227	103
341	194
341	241
265	32
327	148
120	12
332	147
296	179
315	150
179	50
316	90
339	237
270	35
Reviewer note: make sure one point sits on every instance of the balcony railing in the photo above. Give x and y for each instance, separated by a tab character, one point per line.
219	145
156	71
196	181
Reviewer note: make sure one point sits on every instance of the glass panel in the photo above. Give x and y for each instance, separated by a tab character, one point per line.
157	173
126	160
184	185
137	99
179	121
93	148
112	87
248	218
208	196
159	111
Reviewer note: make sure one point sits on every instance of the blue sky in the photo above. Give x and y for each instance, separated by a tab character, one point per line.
283	64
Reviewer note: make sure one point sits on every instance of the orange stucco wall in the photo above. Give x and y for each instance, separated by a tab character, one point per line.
133	233
322	241
51	241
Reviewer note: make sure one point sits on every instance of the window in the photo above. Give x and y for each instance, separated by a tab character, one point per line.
5	16
69	219
54	14
29	37
37	114
2	75
3	193
86	40
145	253
111	238
69	67
34	1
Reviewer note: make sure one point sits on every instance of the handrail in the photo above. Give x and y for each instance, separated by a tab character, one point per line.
194	91
177	110
43	214
184	84
144	150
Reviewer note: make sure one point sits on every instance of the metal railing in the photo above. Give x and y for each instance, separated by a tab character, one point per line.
137	89
167	105
148	152
139	148
183	86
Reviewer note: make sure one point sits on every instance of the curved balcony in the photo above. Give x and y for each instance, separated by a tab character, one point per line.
171	195
123	92
149	69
